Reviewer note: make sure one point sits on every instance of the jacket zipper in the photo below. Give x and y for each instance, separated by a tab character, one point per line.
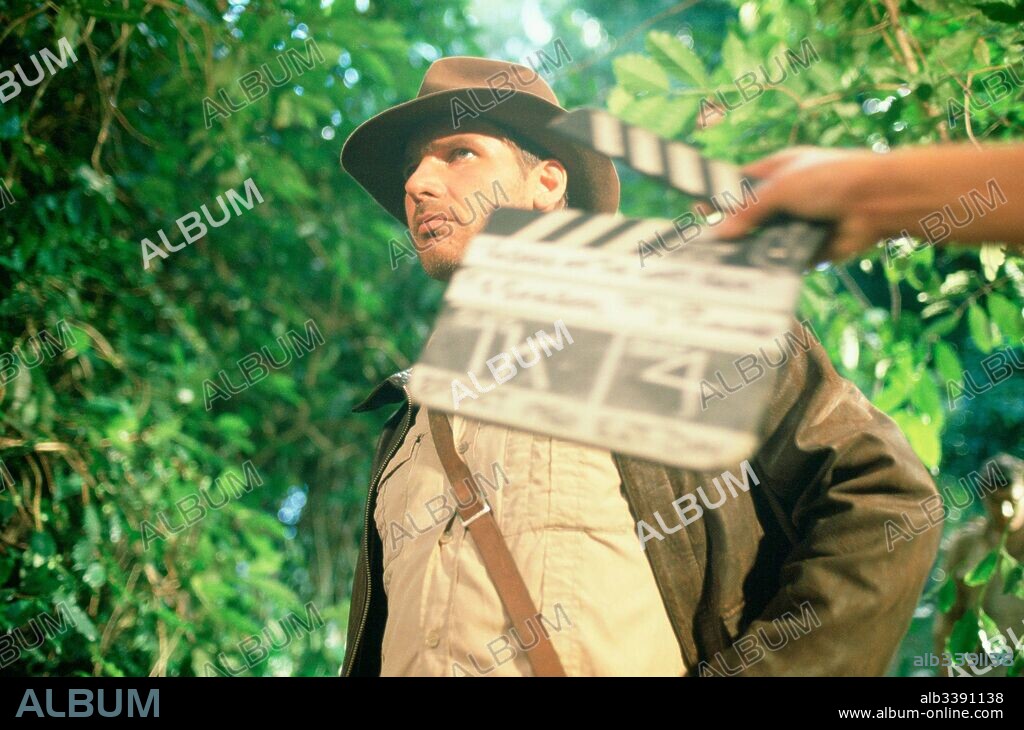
366	529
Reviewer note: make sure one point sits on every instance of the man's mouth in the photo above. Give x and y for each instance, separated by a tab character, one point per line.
429	225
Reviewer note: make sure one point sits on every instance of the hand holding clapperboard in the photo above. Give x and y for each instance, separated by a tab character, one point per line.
586	345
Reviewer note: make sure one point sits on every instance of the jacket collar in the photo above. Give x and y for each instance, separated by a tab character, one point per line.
389	390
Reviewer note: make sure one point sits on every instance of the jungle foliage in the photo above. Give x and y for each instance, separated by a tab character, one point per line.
119	436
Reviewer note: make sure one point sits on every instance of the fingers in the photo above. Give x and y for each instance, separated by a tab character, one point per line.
767	166
847	242
835	251
742	220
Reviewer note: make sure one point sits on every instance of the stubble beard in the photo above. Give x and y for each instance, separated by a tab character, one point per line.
442	270
448	252
442	267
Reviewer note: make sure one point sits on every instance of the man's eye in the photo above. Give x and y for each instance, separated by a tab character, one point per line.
455	153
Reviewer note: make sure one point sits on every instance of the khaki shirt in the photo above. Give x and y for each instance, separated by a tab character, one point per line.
559	506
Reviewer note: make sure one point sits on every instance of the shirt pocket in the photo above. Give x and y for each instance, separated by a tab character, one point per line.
393	494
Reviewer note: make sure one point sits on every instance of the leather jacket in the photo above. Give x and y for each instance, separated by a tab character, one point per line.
791	577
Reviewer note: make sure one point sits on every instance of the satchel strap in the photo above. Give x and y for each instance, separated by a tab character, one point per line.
477	516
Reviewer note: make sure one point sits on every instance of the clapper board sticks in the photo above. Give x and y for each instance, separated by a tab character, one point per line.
673	163
551	324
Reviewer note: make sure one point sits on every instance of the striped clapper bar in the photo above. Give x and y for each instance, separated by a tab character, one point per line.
678	165
551	325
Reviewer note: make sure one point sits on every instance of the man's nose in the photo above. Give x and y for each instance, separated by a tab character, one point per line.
425	180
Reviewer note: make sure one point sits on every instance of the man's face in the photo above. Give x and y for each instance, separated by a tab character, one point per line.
450	177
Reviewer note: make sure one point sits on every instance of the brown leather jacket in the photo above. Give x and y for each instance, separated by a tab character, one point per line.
792	577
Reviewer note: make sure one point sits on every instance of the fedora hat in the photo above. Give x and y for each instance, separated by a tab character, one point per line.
508	95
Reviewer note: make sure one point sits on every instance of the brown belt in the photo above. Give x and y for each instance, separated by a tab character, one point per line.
477	517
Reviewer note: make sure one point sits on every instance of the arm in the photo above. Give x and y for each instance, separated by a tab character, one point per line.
944	621
841	471
872	196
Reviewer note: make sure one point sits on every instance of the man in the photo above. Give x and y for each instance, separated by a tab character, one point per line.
1004	516
945	194
790	575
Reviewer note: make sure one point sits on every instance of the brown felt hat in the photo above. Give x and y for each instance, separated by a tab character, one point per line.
461	88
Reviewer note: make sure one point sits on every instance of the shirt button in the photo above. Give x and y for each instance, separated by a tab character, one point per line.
433	639
446	537
463	447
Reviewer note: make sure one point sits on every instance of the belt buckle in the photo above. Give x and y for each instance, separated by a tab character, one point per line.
481	513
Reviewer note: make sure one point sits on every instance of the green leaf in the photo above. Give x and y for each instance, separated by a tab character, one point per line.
947	363
231	424
1014	583
640	74
163	432
112	10
954	49
981	330
989	631
897	389
981	52
235	430
377	67
942	326
1003	13
67	26
81	621
83	342
284	115
926	397
923	437
673	54
1006	315
1017	668
82	554
6	568
663	116
1007	563
281	385
983	571
95	575
42	544
618	101
947	595
964	636
735	57
92	524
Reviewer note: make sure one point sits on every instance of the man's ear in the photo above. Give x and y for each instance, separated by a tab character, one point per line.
548	181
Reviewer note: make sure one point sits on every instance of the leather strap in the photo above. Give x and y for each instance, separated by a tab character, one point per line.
477	516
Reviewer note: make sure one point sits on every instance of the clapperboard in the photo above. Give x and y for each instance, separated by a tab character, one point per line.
552	325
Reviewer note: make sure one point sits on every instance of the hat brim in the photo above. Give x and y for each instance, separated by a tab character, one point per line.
373	153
